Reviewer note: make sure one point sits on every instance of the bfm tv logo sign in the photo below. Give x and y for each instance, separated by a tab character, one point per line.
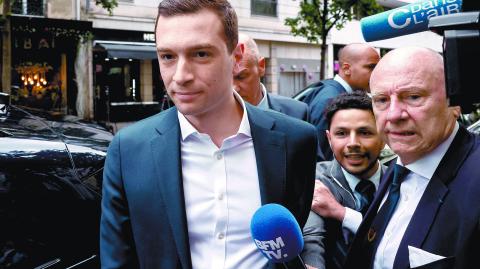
272	248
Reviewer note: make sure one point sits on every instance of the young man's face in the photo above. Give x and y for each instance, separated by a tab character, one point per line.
355	142
195	63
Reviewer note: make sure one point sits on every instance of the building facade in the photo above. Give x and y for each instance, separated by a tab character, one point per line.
105	67
46	56
292	62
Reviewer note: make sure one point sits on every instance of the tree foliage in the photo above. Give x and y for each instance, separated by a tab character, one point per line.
317	17
109	5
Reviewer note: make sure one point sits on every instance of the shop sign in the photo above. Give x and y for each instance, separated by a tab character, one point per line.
33	43
148	37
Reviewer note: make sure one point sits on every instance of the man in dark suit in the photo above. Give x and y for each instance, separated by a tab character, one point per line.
356	64
180	187
425	213
247	83
345	186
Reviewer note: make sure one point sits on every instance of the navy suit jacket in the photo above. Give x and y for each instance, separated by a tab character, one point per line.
325	244
288	106
143	222
446	220
322	94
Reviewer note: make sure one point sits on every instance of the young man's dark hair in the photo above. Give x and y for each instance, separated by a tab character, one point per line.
222	8
354	100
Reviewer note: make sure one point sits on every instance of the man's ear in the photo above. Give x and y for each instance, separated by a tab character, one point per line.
237	56
456	110
261	66
329	138
242	47
346	69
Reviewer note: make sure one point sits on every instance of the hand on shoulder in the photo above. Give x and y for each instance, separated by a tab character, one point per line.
325	204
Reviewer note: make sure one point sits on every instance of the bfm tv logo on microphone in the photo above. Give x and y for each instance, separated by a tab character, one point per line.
272	248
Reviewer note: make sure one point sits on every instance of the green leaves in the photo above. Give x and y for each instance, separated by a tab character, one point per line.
109	5
317	17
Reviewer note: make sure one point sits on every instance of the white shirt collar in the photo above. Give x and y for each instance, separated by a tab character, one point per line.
340	80
188	129
427	165
353	180
263	104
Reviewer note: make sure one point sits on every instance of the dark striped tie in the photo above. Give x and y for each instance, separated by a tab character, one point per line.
366	189
380	221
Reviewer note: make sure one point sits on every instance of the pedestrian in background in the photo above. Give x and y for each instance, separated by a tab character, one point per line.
356	64
248	83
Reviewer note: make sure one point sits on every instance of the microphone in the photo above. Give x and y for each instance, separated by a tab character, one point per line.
277	234
409	19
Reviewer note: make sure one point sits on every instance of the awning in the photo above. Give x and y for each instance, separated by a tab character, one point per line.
134	50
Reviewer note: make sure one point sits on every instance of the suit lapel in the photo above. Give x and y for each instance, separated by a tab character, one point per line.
434	195
270	154
273	104
337	173
165	149
421	221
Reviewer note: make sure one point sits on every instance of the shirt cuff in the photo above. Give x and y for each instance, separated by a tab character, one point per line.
352	220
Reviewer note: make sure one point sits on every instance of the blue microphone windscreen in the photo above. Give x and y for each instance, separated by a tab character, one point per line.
409	19
276	233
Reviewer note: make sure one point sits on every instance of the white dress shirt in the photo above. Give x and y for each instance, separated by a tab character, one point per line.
222	192
353	218
411	191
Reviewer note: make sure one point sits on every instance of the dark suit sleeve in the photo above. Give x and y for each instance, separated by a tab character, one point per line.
314	241
289	106
317	107
307	114
306	161
116	244
317	118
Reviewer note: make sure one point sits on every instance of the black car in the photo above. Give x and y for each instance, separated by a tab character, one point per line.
50	182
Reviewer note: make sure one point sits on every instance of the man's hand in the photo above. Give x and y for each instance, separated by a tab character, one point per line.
324	203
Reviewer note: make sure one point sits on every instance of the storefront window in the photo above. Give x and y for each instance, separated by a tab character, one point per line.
122	77
38	85
43	62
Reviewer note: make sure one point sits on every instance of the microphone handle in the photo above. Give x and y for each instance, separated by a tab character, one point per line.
301	262
298	261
